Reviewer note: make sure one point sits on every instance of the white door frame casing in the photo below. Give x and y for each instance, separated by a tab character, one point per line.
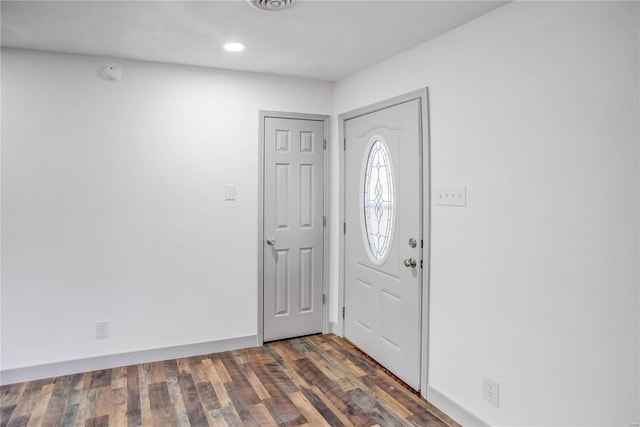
423	97
263	115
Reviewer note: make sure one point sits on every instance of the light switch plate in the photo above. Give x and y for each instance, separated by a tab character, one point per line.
450	196
229	192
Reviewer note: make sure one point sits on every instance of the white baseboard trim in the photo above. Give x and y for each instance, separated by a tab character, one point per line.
333	328
453	409
49	370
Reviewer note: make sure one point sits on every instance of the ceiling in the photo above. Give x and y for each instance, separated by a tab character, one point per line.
320	39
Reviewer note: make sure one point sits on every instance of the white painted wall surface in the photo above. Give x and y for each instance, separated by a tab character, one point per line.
113	203
535	283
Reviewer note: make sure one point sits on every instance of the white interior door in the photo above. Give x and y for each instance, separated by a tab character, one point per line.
383	237
293	227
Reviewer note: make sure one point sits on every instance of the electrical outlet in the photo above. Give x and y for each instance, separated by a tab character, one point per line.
491	391
102	330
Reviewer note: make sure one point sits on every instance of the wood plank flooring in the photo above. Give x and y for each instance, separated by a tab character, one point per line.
320	380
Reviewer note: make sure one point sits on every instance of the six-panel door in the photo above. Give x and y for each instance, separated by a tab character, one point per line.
293	227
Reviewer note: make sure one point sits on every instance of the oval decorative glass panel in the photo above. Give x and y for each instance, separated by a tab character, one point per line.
378	200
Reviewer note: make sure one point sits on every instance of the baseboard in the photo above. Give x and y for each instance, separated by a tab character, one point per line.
453	409
333	328
30	373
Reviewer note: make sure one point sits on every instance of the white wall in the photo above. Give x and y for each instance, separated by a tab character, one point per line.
535	283
112	203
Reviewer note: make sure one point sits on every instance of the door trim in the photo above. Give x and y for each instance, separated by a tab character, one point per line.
263	115
423	96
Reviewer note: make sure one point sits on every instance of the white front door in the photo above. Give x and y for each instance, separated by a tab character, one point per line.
383	237
293	227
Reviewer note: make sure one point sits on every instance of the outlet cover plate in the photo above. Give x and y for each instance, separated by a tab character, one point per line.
102	330
491	391
450	196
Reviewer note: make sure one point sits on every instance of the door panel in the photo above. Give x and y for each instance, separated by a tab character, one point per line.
282	295
383	212
282	196
293	223
306	196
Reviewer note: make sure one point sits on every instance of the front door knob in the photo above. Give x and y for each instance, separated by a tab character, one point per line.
410	262
271	241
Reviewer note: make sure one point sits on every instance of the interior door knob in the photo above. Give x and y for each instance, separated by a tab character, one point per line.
410	262
271	241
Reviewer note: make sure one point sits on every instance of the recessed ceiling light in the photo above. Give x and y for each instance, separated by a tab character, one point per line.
233	47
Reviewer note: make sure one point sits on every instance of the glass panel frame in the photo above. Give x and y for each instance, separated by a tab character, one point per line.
378	200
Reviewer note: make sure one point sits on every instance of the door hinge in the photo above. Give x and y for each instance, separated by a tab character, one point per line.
324	144
324	300
343	311
344	229
420	263
324	221
345	143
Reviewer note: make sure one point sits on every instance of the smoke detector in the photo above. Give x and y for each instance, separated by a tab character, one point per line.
112	73
271	5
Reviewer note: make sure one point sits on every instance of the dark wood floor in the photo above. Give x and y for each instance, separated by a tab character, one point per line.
316	380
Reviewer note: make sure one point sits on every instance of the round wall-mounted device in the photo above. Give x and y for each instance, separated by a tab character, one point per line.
112	73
